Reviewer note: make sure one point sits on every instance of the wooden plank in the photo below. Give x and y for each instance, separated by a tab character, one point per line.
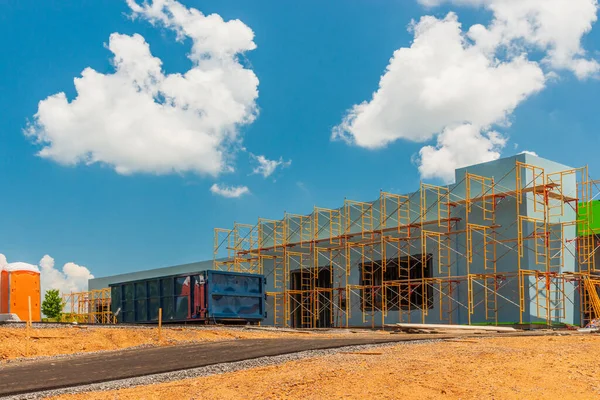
276	330
453	327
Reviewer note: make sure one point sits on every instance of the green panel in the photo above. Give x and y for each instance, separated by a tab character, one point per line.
168	311
141	310
140	290
167	286
128	289
153	289
115	295
588	218
153	306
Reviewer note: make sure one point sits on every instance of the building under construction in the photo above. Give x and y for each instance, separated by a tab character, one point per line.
512	241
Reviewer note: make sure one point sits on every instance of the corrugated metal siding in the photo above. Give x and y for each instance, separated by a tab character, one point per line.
228	295
237	296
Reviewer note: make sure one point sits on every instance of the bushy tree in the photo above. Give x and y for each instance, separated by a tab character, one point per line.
52	305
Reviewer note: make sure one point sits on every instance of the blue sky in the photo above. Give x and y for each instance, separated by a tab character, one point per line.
313	61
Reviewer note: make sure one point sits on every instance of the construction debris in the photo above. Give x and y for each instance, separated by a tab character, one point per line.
273	329
592	326
431	328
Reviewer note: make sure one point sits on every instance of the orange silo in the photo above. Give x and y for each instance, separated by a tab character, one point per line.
19	282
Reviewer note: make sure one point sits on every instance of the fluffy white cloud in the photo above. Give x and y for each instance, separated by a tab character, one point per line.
457	147
458	85
442	82
229	191
212	37
439	81
72	278
266	167
552	26
140	119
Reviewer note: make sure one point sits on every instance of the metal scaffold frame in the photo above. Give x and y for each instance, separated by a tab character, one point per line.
91	307
443	247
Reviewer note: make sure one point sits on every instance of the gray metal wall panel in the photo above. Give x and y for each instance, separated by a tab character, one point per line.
100	283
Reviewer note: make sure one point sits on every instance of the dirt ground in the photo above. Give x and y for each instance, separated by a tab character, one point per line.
564	367
69	340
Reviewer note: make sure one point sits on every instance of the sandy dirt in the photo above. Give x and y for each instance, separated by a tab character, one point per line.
564	367
69	340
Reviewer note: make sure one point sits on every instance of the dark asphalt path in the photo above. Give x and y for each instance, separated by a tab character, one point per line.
36	376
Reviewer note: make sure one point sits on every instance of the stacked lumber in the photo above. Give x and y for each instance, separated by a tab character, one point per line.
433	328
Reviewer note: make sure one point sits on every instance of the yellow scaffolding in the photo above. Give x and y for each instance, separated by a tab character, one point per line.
480	189
395	213
441	247
359	219
90	307
590	298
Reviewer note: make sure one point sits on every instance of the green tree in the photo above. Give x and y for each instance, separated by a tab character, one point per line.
52	305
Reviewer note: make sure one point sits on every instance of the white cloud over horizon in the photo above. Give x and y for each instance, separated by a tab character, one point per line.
71	278
229	191
140	119
459	86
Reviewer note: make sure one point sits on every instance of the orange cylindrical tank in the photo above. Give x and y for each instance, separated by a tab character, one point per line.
19	282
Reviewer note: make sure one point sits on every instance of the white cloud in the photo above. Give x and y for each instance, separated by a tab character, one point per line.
266	167
72	278
531	153
229	191
140	119
457	147
439	83
555	27
211	36
460	85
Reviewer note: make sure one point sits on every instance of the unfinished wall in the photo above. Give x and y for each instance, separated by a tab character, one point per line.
498	246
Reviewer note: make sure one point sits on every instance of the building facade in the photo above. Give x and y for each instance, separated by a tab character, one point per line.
500	245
